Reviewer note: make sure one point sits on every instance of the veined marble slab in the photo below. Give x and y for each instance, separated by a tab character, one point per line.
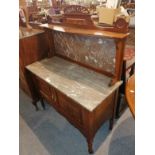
86	87
94	51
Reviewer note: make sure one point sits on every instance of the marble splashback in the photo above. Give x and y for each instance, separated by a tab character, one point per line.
98	52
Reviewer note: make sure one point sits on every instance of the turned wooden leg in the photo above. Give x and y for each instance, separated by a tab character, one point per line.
35	104
42	103
111	123
90	145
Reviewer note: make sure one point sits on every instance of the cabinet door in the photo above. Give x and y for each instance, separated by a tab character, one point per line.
71	109
47	91
53	96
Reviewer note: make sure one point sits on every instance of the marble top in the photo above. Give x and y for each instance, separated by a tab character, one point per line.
86	87
24	32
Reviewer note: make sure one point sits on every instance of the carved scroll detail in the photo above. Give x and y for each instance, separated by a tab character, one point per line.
76	9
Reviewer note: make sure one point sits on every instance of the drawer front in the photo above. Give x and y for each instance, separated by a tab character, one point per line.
70	108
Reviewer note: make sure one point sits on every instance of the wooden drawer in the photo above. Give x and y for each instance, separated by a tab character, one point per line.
71	109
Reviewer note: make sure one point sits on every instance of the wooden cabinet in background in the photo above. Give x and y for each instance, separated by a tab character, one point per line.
33	46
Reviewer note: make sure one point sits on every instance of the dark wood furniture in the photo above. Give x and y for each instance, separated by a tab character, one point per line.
33	46
128	65
69	89
130	94
80	76
128	69
79	16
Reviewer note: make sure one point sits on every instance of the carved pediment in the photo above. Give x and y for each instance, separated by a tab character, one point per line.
77	15
76	9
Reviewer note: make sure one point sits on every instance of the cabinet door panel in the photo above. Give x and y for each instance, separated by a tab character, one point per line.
70	108
47	91
43	86
53	96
